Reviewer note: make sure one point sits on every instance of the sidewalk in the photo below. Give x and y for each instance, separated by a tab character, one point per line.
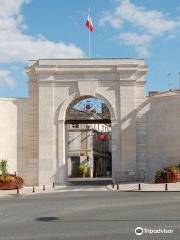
28	191
146	187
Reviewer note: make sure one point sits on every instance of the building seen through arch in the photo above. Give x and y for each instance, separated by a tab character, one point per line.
89	137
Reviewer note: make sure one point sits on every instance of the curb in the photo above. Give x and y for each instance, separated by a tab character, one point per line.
109	188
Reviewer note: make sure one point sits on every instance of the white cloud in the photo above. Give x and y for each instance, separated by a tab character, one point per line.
147	25
140	42
6	80
134	38
109	18
18	47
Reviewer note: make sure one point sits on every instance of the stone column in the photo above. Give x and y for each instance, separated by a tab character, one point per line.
46	135
61	176
116	148
91	160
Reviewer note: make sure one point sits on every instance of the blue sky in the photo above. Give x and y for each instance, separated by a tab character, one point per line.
31	29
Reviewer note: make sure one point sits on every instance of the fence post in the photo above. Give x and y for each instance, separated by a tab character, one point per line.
139	186
166	178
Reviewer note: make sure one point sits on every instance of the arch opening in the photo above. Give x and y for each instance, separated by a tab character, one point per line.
88	138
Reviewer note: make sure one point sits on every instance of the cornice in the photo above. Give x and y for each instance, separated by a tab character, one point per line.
74	83
45	68
125	71
79	70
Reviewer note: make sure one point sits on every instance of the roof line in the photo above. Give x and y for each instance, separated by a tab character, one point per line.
84	59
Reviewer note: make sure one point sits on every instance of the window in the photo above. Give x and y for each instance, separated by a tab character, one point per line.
75	125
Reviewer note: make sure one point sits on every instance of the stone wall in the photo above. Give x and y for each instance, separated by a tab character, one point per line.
8	132
14	139
163	132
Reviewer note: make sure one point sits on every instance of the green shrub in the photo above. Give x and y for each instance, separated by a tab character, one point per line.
83	168
3	168
160	174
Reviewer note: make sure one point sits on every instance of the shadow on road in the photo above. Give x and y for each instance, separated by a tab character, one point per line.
56	219
47	219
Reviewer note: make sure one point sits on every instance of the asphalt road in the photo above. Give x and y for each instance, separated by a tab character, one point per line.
90	215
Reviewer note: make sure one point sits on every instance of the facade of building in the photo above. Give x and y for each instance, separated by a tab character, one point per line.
85	146
145	130
88	140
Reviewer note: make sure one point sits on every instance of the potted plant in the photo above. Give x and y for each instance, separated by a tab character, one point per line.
9	181
178	166
83	169
169	174
173	173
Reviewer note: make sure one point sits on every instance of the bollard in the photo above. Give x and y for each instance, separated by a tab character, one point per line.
117	186
166	187
44	188
53	184
112	185
33	189
139	186
17	190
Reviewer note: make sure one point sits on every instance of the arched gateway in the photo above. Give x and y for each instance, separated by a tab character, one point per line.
55	84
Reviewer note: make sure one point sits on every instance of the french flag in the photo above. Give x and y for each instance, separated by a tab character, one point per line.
89	24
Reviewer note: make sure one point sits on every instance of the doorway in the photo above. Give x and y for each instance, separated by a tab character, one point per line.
75	163
88	138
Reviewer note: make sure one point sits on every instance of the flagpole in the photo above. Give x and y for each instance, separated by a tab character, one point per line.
89	44
89	38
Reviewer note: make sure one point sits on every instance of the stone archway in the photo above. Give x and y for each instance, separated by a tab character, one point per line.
55	83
